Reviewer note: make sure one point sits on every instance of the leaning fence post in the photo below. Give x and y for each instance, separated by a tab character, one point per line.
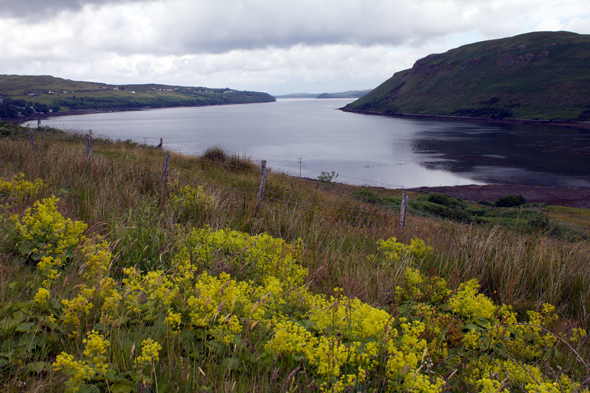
403	211
32	133
88	143
262	182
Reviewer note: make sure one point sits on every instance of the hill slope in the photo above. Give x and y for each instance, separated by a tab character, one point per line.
31	94
541	76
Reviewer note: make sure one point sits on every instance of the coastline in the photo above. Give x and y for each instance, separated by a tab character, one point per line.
21	120
550	195
559	123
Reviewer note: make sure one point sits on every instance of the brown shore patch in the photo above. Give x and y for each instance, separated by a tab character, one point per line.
561	196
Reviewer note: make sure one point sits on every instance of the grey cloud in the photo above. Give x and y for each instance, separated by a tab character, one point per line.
193	27
34	9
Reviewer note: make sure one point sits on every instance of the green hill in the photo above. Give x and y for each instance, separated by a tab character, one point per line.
539	76
30	94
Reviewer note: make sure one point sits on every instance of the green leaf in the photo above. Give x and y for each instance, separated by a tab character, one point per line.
122	387
37	367
25	327
88	389
25	248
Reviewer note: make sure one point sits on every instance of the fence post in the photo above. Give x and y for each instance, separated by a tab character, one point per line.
403	211
262	182
161	143
38	120
88	143
165	177
32	133
165	168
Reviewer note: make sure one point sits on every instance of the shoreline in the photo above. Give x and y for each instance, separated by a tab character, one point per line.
559	123
551	195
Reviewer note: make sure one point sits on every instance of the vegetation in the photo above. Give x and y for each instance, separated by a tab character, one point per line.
111	280
29	95
509	211
539	76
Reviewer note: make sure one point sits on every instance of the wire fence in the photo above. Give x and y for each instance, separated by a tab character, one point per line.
247	165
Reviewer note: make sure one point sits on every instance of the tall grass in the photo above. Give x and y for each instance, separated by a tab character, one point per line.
117	192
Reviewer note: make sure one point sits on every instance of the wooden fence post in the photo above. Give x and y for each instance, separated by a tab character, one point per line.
164	191
32	137
403	211
38	120
161	143
165	168
262	182
88	143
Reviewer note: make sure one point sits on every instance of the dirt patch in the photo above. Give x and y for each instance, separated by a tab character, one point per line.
561	196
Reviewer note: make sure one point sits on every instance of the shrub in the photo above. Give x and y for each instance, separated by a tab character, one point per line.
215	153
445	200
241	163
510	201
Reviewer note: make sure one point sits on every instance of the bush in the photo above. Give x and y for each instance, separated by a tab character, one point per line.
485	202
215	153
445	200
510	201
367	195
241	163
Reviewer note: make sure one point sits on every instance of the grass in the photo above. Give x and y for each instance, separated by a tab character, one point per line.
118	194
506	78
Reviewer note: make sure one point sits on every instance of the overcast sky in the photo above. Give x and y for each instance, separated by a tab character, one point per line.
276	46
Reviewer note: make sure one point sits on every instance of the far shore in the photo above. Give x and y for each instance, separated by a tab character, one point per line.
560	123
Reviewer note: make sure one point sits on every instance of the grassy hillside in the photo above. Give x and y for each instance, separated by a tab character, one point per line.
540	76
44	93
116	278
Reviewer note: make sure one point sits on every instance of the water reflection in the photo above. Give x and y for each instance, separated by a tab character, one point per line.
508	153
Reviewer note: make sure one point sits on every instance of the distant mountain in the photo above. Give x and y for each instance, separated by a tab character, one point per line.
540	76
27	95
345	94
298	95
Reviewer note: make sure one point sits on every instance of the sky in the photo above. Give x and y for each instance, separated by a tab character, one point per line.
275	46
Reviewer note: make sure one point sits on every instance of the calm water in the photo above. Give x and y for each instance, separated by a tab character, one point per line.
370	150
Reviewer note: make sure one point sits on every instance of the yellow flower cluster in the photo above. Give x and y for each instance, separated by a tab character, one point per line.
20	188
42	296
150	353
260	256
393	251
93	367
229	284
469	304
43	231
466	323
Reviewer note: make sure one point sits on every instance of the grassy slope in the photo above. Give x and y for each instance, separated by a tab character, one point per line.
540	76
18	87
117	194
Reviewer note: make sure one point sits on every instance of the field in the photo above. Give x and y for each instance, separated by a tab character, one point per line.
32	94
117	276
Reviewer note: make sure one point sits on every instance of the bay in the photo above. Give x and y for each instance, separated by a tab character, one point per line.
311	136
